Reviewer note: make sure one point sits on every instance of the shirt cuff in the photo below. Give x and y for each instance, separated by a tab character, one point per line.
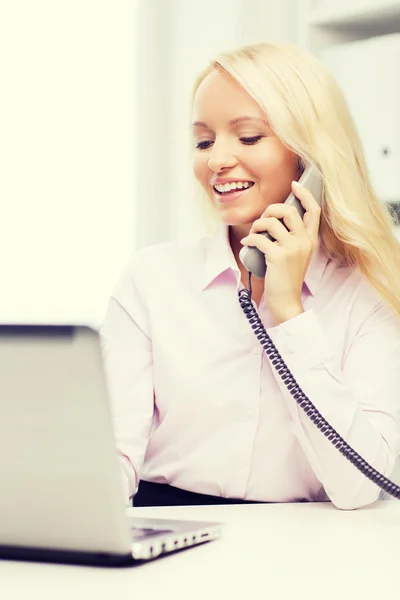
128	483
301	341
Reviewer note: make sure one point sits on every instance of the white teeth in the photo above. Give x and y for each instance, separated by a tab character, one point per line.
235	185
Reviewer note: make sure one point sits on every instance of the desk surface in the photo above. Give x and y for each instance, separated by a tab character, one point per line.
275	551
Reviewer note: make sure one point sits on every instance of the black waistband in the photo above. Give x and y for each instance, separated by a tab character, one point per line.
163	494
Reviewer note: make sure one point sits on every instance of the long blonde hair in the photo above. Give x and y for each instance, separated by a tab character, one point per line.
307	111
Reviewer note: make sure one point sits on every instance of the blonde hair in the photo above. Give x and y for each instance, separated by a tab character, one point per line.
307	111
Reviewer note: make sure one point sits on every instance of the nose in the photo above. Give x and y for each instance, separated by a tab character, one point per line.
221	157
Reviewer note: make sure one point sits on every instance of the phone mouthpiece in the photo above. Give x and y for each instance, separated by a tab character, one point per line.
254	261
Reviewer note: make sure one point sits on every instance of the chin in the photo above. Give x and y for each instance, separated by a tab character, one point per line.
245	221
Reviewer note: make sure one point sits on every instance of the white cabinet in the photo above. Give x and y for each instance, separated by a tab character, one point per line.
326	22
359	41
356	13
369	75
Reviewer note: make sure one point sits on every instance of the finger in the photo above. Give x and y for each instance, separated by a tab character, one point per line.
273	226
289	214
255	240
313	210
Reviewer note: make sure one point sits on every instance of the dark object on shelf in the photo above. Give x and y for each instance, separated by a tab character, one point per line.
394	209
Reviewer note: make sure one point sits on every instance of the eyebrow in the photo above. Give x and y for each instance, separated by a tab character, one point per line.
233	121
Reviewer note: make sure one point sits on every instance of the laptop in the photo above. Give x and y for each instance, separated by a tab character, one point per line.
61	494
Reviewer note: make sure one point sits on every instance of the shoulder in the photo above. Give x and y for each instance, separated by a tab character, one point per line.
353	299
168	251
158	257
357	290
160	265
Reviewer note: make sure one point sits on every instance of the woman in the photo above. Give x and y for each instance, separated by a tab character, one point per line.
201	416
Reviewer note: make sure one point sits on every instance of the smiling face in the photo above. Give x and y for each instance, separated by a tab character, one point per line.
239	161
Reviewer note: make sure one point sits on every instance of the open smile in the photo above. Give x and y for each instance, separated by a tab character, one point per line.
226	192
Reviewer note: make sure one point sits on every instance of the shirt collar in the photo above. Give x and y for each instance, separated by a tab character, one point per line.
219	258
316	269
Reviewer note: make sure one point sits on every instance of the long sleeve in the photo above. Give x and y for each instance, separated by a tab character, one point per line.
358	394
128	364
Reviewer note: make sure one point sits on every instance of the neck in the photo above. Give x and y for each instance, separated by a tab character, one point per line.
235	235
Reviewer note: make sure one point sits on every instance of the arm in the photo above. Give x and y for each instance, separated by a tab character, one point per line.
127	357
360	398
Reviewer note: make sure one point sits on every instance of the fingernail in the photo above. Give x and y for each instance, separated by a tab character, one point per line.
296	184
243	240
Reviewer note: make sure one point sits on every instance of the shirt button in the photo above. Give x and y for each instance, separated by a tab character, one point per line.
256	350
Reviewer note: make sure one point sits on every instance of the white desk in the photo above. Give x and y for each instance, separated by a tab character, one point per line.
274	552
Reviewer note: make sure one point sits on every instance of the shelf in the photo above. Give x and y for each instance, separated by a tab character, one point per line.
382	14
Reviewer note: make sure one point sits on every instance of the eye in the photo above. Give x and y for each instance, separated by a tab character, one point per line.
251	140
203	145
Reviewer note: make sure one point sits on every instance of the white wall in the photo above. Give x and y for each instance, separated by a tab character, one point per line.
67	156
175	40
94	144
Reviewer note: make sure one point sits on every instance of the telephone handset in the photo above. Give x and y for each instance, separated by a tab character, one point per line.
252	258
254	261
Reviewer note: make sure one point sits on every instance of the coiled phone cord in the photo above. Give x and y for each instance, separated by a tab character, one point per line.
305	403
